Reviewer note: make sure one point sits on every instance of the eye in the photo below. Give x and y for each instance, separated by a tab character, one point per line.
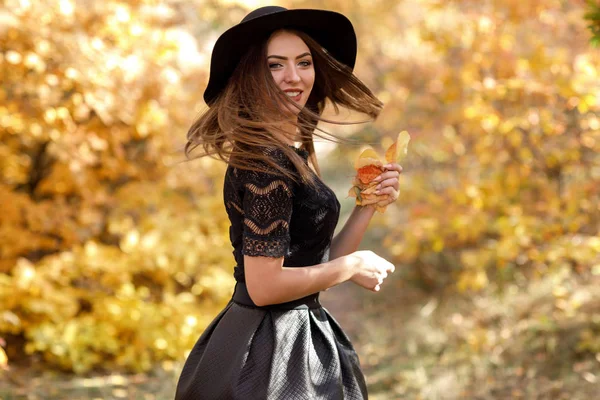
305	63
274	65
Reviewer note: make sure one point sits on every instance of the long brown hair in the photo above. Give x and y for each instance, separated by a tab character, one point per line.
240	123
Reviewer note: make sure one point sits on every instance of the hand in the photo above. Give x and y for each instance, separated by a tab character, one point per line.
369	269
389	184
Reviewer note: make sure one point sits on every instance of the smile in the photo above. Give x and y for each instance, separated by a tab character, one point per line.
295	95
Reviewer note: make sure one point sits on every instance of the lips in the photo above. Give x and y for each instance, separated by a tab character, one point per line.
294	94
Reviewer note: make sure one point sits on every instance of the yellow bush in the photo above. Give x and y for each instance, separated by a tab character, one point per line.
111	253
503	179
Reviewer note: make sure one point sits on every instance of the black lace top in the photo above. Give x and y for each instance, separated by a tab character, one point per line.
272	216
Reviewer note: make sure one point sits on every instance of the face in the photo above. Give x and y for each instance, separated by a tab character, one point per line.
291	66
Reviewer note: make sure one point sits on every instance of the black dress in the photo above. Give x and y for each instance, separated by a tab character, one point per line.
290	351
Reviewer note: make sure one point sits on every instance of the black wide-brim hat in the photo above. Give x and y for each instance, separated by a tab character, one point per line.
332	30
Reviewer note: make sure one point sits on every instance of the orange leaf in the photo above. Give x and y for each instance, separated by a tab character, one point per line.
369	172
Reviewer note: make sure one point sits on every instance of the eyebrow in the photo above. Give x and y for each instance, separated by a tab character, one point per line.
285	58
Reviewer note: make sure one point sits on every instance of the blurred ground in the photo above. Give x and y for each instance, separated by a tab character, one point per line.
402	338
406	352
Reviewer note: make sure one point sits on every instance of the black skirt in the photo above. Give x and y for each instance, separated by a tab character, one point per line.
290	351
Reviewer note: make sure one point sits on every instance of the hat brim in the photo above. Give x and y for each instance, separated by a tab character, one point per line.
332	30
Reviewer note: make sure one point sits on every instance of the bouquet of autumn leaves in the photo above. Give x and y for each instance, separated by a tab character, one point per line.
368	166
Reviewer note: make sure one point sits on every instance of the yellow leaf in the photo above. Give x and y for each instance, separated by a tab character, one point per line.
398	149
3	358
369	190
367	157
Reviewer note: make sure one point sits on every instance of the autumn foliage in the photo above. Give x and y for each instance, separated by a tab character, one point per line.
507	177
114	255
111	253
502	186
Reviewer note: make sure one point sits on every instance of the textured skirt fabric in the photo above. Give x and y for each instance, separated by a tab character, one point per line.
250	353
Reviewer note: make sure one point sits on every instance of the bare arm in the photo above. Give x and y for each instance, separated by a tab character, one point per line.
349	238
269	282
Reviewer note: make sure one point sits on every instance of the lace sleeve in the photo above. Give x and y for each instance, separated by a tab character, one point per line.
267	204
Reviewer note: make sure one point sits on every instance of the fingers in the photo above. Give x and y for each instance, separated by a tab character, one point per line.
387	175
376	271
388	199
382	275
395	183
388	179
393	167
390	190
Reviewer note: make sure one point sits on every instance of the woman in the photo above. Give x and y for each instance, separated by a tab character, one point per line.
270	78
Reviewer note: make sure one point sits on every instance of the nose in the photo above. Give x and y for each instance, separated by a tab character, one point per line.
291	75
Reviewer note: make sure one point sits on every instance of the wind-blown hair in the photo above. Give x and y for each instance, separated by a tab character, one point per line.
246	117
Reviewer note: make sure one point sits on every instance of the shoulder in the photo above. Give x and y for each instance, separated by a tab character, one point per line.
279	156
264	171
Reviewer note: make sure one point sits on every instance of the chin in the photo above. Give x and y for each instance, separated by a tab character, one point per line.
290	110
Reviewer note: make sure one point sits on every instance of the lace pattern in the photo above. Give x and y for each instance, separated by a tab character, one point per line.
273	216
266	248
266	205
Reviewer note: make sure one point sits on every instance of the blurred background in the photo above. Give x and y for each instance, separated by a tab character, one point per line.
114	254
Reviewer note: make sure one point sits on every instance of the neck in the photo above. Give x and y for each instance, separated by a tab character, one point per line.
289	133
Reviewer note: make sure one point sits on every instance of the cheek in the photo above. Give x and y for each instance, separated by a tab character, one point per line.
309	79
277	77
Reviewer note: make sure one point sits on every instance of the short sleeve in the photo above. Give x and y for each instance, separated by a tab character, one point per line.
267	203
